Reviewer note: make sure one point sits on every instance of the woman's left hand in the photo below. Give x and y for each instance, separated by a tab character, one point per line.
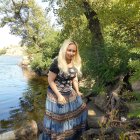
79	93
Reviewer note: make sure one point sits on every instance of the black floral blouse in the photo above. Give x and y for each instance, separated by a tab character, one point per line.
63	81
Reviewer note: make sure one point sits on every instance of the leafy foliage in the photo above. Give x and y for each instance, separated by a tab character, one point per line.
27	20
119	21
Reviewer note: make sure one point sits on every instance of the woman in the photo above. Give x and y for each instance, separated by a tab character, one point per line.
66	114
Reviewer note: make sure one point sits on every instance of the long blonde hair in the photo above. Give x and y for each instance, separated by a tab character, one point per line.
62	64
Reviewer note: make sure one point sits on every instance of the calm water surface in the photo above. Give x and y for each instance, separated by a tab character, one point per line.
22	96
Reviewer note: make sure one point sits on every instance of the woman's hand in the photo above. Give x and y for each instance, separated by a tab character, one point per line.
61	99
79	93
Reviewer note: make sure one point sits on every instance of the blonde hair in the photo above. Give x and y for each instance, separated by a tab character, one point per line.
62	64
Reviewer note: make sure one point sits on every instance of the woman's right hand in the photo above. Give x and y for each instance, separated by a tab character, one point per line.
61	99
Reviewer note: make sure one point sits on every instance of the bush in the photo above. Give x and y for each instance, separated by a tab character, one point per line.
2	51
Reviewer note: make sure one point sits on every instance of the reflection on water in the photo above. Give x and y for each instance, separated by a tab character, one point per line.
22	94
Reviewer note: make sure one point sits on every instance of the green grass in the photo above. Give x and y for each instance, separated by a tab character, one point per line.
137	94
135	112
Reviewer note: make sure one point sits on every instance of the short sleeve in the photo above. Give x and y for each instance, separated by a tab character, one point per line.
54	66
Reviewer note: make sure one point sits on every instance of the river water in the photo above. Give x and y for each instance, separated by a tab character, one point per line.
22	94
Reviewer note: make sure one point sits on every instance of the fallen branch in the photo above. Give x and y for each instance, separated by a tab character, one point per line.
133	132
103	131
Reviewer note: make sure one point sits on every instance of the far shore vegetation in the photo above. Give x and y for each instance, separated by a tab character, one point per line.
2	51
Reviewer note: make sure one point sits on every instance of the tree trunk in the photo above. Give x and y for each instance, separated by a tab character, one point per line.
97	37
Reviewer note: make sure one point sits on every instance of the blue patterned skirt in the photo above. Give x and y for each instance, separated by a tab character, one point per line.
64	122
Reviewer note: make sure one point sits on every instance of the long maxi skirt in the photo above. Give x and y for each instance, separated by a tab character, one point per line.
64	122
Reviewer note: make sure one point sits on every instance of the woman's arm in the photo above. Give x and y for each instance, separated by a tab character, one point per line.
76	85
51	78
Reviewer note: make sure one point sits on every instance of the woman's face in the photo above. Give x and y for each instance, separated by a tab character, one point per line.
70	52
